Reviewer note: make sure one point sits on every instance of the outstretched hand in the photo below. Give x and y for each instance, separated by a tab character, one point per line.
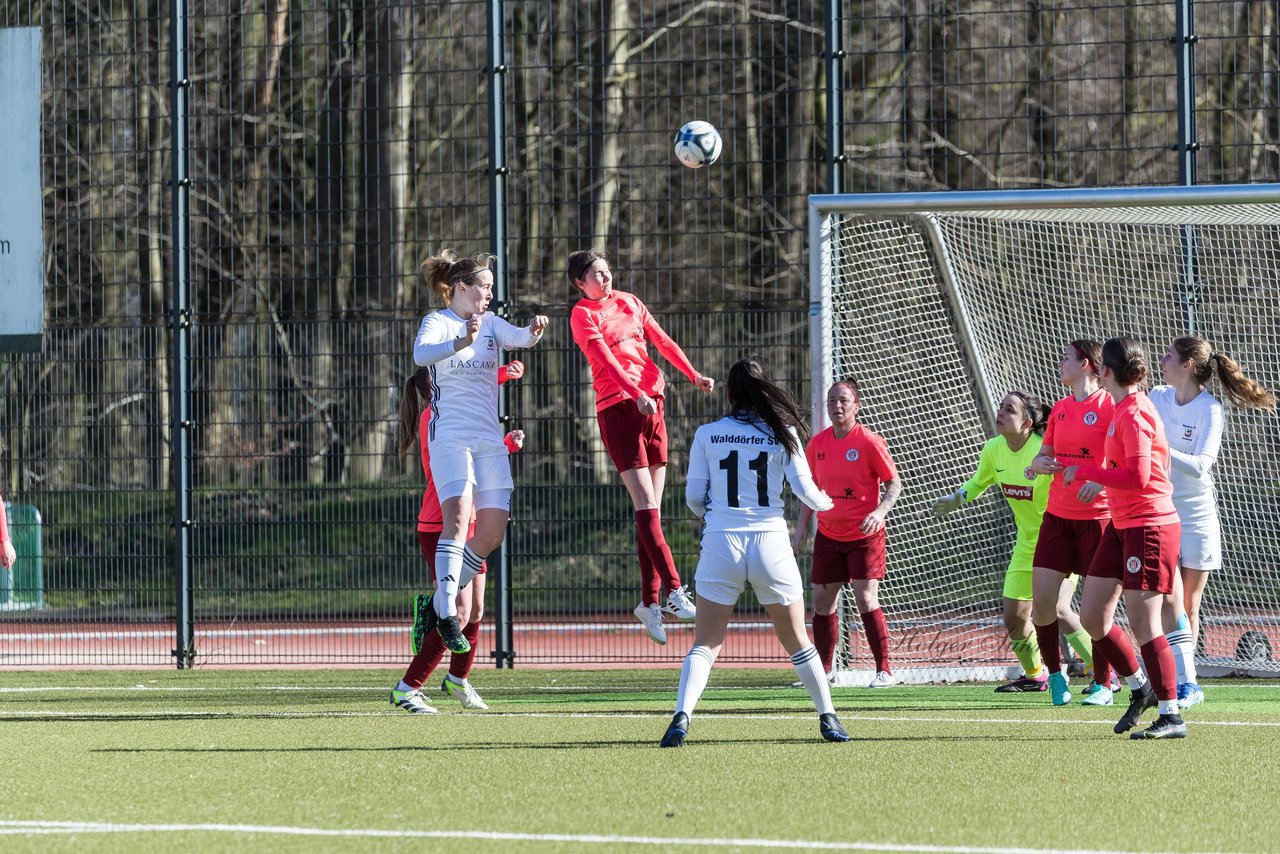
707	384
538	324
944	504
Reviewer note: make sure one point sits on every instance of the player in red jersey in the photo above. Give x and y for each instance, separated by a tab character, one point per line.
851	464
428	647
1073	521
1138	554
7	553
611	328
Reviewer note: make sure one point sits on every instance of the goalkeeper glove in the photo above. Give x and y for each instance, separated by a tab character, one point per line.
946	503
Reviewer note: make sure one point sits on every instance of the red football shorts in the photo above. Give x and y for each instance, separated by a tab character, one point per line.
1141	558
634	441
1068	545
839	562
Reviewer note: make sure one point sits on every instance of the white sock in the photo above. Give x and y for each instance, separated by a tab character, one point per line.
1168	707
1136	681
1184	653
471	563
454	679
809	668
693	678
448	569
405	686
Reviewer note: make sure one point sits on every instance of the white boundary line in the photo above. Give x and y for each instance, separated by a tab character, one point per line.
382	689
14	828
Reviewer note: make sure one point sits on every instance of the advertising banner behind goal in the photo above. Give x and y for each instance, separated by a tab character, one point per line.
21	217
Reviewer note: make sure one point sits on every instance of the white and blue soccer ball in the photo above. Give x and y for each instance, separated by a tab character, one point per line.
698	144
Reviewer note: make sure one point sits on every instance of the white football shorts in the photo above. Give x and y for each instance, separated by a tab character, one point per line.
1202	544
732	559
469	467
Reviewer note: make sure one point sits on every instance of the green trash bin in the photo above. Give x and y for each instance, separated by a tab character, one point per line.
22	587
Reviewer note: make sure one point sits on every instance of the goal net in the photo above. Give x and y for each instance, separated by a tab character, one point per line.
941	303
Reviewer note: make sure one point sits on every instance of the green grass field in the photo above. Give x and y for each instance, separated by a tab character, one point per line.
567	761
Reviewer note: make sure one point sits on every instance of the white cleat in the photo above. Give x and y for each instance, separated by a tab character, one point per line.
651	616
412	702
882	679
463	693
680	605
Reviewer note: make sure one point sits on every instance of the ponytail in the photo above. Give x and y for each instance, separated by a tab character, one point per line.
1240	389
446	271
751	392
413	398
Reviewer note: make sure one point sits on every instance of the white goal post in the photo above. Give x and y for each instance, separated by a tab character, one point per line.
941	303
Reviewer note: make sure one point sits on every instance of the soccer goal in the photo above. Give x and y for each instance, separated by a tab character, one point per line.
943	302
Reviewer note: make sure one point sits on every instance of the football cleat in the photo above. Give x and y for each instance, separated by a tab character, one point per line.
1024	685
1100	697
676	732
451	633
463	693
1189	694
831	680
829	726
1140	700
412	702
424	620
1058	690
1094	686
651	616
680	605
882	679
1166	726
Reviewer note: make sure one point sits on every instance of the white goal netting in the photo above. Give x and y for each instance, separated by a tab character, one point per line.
941	312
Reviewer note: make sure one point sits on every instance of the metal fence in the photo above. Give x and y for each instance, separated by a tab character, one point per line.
237	196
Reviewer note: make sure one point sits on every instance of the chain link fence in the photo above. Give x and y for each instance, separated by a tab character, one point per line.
330	147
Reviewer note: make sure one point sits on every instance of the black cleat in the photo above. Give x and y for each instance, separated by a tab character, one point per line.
829	726
1139	701
676	732
424	620
1166	726
451	634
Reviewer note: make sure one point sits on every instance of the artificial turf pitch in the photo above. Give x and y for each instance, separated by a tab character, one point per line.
568	761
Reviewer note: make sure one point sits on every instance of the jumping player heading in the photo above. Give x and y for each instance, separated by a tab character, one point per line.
611	328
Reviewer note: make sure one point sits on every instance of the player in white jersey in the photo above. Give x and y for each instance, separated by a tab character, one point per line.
469	462
737	466
1193	422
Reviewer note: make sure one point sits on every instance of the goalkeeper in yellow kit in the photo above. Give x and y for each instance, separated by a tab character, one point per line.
1006	461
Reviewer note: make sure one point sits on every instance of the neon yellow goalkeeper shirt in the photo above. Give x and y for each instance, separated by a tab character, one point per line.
1026	492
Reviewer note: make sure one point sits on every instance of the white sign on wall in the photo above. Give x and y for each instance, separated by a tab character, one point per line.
21	213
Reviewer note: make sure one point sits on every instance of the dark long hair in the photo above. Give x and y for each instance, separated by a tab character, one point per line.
1036	409
415	397
751	392
1124	356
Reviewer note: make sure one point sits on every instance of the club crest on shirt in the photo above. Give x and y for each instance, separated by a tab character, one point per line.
1188	431
1090	418
851	455
1133	565
489	343
1029	473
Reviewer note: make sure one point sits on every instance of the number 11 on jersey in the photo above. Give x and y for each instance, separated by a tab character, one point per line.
759	465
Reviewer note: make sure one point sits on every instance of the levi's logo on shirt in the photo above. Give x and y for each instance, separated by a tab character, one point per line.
1015	492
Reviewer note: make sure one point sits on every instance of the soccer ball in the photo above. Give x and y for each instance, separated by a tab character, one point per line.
698	144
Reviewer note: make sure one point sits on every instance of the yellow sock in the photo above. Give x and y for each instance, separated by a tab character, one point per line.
1028	652
1083	646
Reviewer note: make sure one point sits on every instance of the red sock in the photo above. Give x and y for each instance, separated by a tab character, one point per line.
1101	667
877	629
825	627
1119	652
649	535
1050	652
1158	657
650	584
460	663
425	662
